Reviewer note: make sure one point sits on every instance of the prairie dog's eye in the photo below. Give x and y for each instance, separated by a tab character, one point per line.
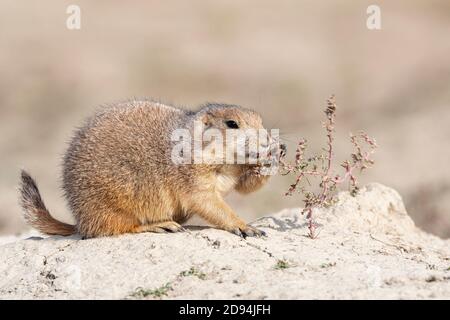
232	124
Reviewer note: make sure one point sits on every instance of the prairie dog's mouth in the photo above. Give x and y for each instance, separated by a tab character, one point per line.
267	151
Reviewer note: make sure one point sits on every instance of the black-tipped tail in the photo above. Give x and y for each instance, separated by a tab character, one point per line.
35	212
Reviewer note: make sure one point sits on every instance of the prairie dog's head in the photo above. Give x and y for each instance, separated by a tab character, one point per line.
228	116
241	130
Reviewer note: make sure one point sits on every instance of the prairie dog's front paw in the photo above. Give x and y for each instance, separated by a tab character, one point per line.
253	171
247	231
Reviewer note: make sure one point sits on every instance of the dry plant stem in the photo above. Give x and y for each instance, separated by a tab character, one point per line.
328	180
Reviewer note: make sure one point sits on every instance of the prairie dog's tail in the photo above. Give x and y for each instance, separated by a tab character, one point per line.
35	212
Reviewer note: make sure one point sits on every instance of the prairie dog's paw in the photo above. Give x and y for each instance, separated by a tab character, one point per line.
253	171
162	227
247	231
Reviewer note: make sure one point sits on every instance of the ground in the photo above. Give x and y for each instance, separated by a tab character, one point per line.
368	247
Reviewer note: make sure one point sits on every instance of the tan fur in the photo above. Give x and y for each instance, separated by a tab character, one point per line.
118	176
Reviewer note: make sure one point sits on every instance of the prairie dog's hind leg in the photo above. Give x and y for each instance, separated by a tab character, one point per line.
103	223
108	223
159	227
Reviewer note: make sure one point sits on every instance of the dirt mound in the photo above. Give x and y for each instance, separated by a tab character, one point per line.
368	247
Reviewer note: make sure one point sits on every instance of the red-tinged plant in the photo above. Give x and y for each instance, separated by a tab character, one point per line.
320	168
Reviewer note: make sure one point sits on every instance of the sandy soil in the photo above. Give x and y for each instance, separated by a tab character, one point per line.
368	247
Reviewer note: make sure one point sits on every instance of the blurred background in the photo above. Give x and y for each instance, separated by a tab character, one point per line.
281	58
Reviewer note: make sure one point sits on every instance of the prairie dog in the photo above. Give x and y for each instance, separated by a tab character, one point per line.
119	177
